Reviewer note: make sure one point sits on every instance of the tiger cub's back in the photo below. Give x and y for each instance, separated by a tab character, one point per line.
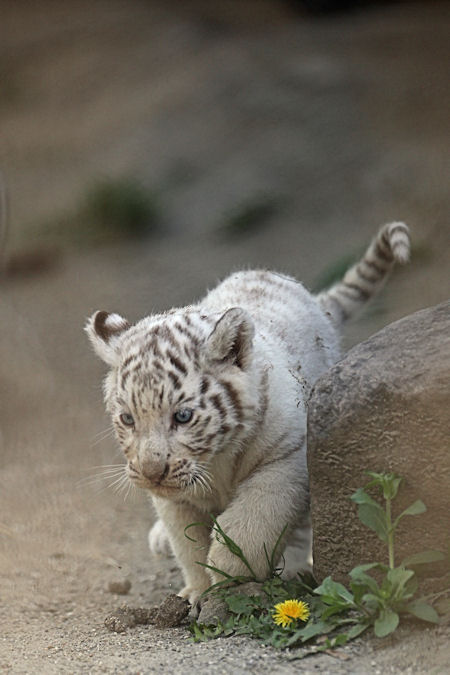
289	323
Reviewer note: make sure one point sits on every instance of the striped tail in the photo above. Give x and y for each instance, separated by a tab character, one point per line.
363	280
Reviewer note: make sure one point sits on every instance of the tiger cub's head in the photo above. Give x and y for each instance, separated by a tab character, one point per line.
181	388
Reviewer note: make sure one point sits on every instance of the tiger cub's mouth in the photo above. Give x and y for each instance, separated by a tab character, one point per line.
146	483
197	479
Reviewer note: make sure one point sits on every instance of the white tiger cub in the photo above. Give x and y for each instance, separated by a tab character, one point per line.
209	405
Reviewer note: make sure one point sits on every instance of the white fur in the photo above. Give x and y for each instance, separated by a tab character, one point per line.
260	341
257	483
158	540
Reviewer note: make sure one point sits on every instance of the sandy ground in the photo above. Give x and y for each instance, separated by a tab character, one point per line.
344	119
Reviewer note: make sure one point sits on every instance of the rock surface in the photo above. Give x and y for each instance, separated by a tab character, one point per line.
385	407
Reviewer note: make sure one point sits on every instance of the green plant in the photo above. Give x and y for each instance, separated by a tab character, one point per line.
380	604
120	206
334	610
251	215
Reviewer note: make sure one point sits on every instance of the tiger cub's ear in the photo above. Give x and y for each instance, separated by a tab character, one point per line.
232	338
103	329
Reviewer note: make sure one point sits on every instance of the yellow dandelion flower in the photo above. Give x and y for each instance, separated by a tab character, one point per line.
289	611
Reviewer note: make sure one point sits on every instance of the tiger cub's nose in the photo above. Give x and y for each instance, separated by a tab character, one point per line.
155	472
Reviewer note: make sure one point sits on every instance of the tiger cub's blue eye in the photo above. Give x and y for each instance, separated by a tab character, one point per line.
127	419
184	415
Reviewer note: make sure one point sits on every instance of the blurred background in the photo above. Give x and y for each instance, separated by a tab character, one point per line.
147	149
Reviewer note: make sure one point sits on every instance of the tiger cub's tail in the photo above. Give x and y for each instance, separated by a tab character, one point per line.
363	280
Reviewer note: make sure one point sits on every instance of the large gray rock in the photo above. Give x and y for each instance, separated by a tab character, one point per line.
385	407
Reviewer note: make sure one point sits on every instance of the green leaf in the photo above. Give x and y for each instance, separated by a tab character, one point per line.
332	643
388	482
312	629
203	633
356	630
361	497
273	557
399	576
361	589
240	604
358	590
410	588
361	569
398	585
386	623
415	509
227	541
293	639
333	591
339	640
331	610
391	487
422	610
377	478
373	600
359	576
373	516
423	558
188	527
215	569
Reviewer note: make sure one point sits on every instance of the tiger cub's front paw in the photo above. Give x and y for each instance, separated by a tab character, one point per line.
193	594
158	540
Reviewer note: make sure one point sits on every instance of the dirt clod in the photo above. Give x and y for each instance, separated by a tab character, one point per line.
172	611
127	617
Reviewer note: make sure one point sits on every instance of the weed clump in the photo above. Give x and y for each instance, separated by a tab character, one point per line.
300	613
